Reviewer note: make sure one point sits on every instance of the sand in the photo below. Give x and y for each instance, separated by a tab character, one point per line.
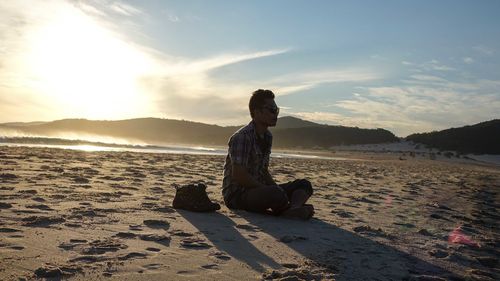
107	216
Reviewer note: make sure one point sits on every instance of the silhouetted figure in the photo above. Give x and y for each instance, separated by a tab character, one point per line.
247	183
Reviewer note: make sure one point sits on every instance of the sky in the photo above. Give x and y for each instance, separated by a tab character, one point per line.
405	66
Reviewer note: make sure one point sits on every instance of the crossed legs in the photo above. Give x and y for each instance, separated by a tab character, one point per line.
288	200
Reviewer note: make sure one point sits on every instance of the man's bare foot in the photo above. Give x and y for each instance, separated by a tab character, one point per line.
302	213
311	207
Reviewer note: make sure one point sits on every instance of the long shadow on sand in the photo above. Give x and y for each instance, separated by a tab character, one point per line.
346	254
222	232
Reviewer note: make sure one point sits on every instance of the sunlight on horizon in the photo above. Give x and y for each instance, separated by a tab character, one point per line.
85	69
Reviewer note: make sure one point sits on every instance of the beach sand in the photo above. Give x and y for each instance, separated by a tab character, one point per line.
107	216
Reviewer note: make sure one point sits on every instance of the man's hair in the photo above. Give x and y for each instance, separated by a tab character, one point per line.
258	99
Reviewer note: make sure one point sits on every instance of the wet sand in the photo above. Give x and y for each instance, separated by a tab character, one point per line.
108	216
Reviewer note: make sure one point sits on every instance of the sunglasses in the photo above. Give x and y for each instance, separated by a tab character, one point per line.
272	109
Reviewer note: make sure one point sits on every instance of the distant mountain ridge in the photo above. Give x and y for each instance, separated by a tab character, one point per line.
290	132
481	138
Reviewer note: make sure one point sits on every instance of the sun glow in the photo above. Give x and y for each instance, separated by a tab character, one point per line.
86	70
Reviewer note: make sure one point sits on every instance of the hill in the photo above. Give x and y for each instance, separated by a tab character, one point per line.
289	122
481	138
290	132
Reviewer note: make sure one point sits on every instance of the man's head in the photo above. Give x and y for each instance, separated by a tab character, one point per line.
262	107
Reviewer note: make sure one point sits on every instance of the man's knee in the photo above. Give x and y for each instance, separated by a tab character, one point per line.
306	185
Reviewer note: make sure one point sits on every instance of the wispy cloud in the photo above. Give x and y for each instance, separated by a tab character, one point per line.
484	50
124	9
296	82
435	65
108	8
420	108
226	59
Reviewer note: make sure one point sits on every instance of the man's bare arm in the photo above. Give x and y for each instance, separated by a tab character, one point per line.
243	178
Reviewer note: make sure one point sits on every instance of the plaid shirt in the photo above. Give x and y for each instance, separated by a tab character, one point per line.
245	151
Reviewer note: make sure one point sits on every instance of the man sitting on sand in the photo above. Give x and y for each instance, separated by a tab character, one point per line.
247	183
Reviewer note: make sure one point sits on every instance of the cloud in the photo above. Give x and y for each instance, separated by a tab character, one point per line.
319	117
422	102
297	82
420	108
106	8
435	65
427	78
89	9
429	66
484	50
173	18
468	60
124	9
223	60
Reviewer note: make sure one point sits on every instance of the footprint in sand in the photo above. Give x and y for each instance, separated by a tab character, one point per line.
40	221
368	230
220	256
343	214
181	233
159	238
8	177
52	271
195	243
157	189
72	244
87	259
157	224
291	238
28	191
253	237
290	265
96	247
248	227
125	235
71	224
210	266
152	249
135	227
8	230
39	207
299	274
152	266
132	255
186	272
5	205
424	232
440	254
167	210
